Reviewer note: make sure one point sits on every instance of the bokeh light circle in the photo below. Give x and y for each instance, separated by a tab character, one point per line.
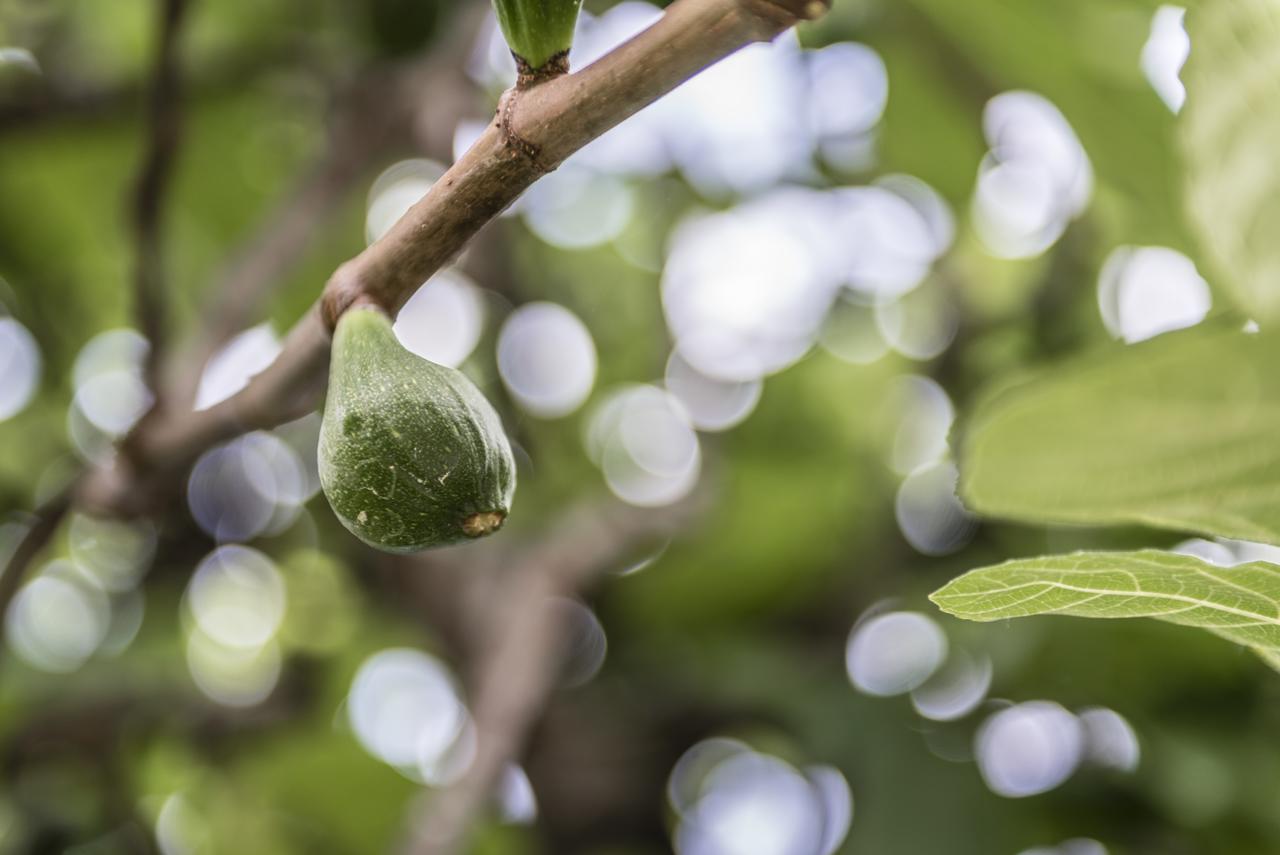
443	319
547	359
20	366
894	653
405	709
1029	748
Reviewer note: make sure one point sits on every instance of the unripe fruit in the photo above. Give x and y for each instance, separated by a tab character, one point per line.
411	454
538	31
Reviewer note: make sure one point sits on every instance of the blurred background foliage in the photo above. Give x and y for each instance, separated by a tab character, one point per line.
826	501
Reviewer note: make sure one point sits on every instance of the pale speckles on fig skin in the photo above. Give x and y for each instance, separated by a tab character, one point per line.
411	454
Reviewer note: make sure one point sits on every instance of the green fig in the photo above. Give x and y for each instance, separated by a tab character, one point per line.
411	454
538	31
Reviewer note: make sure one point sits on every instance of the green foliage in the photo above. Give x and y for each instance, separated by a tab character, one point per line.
1082	56
1228	135
1178	432
1240	603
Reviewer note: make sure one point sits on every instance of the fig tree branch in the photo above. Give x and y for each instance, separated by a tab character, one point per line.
362	126
39	529
535	129
520	646
151	189
381	106
62	99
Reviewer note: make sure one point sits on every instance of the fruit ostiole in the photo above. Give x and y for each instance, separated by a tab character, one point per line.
411	453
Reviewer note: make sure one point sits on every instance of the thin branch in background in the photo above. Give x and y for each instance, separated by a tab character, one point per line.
97	733
39	531
88	726
361	128
537	131
164	116
519	648
377	110
62	99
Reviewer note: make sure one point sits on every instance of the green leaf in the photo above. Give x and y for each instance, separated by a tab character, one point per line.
1240	603
1229	129
1179	432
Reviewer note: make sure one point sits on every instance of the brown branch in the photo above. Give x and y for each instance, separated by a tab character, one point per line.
553	120
62	99
95	734
537	128
88	727
379	108
365	121
141	478
150	190
40	529
519	642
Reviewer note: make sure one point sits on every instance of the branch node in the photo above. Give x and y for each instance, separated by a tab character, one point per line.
343	291
516	144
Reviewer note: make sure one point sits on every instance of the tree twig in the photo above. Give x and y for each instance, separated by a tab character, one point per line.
534	131
379	108
62	99
363	123
519	646
150	190
41	528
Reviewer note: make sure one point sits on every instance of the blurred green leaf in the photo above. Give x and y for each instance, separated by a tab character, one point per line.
1084	57
1178	432
1228	137
1241	604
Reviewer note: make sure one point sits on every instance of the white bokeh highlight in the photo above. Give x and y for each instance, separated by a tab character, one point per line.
643	441
395	191
230	369
733	800
711	404
110	393
929	513
1029	748
1034	181
1164	53
1110	740
58	620
237	597
547	359
20	366
1144	291
443	319
955	690
404	708
894	653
